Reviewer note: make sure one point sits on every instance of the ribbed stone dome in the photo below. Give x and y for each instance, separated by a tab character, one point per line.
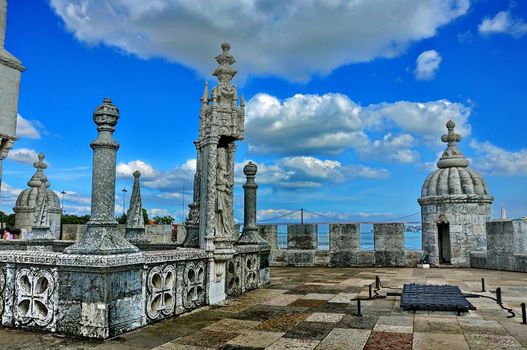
454	180
28	197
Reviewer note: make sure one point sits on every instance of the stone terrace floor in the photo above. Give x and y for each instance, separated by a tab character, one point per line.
309	308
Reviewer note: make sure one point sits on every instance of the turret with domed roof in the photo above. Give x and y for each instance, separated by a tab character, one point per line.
455	204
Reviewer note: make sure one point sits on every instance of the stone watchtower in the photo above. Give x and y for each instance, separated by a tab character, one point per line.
455	205
27	201
10	72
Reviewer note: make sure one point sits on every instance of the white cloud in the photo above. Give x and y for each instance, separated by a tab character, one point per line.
23	155
427	65
27	128
332	123
267	37
503	22
127	169
305	172
158	212
9	196
173	180
494	160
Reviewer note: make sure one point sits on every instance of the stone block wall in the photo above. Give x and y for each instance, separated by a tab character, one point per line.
467	229
507	245
302	236
157	234
389	244
344	246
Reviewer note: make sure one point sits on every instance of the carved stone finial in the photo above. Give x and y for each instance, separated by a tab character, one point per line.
39	174
452	157
225	72
106	114
250	169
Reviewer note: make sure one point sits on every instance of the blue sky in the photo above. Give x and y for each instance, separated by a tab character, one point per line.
346	101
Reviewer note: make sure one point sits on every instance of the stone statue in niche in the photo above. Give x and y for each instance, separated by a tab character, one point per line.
224	185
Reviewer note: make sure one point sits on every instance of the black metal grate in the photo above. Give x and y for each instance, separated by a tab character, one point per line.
434	298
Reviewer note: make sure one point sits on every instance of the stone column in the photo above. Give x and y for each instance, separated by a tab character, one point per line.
250	233
102	235
208	193
192	223
3	17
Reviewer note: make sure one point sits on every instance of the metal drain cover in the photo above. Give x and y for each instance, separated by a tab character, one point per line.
434	298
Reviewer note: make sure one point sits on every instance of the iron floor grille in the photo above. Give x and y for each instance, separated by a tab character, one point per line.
434	298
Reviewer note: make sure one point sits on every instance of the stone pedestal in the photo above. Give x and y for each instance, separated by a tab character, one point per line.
389	244
302	236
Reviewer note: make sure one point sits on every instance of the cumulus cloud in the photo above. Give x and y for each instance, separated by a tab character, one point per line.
427	65
305	172
9	196
175	179
494	160
27	128
267	37
127	169
23	155
503	22
332	123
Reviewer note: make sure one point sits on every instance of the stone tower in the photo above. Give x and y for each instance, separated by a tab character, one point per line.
27	201
455	205
10	72
210	222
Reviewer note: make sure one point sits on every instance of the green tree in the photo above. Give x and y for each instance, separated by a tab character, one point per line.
7	220
145	216
74	219
163	220
121	219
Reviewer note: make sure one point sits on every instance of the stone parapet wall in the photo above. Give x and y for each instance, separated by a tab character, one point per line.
506	246
344	246
157	234
101	296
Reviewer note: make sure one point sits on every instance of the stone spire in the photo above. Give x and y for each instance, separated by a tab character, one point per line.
102	235
452	156
135	223
41	224
250	233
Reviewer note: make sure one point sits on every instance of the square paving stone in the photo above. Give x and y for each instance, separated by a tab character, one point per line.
310	330
345	339
436	325
389	341
256	339
282	300
176	346
439	341
307	303
282	323
343	298
491	342
232	325
238	347
207	339
297	344
482	327
325	317
318	296
364	322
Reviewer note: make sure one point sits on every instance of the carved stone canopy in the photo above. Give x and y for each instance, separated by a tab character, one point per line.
452	156
442	219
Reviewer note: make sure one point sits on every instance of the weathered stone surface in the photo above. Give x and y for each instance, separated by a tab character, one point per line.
507	244
302	236
102	235
344	237
389	244
27	200
135	224
456	196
